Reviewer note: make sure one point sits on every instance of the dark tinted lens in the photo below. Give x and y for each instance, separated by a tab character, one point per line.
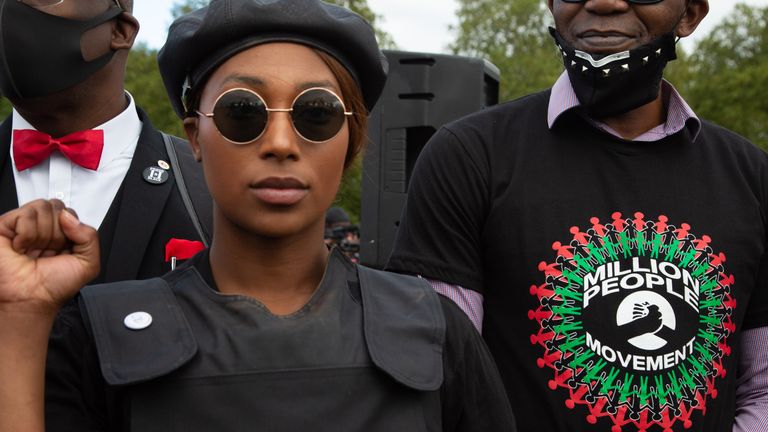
240	116
318	115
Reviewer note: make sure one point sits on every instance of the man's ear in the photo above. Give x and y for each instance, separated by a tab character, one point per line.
695	11
550	5
124	31
190	127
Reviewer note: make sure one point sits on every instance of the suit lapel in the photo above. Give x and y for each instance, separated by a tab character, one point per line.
141	205
8	197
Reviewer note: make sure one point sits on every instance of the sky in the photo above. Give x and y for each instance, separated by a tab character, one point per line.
403	19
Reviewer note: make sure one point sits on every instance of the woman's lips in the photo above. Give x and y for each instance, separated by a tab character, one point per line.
282	191
280	196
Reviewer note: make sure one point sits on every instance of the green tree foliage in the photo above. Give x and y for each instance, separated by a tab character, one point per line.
361	7
5	108
512	35
348	196
143	81
187	6
725	78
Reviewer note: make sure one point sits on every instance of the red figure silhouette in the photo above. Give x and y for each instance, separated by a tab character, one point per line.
618	222
541	291
682	232
550	269
702	243
562	250
598	227
579	236
661	225
639	221
716	259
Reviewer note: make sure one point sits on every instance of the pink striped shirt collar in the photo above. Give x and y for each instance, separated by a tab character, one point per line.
563	98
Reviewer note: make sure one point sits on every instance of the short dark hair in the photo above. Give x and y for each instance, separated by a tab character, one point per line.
353	101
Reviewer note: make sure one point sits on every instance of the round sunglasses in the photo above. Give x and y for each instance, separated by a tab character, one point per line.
630	1
241	115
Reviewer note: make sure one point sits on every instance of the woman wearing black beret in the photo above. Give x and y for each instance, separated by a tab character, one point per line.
267	330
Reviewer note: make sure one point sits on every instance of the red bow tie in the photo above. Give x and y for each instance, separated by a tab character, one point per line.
83	148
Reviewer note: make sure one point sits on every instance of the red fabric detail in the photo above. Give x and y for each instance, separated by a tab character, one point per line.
182	249
30	147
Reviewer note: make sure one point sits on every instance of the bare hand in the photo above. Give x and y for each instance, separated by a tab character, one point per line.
46	256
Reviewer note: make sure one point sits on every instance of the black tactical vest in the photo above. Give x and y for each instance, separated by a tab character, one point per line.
364	354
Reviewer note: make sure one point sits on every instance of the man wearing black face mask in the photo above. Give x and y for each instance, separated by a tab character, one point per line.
76	135
611	244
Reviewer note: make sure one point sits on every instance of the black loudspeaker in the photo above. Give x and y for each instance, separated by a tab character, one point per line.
423	92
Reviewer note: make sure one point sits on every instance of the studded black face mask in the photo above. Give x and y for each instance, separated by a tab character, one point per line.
609	85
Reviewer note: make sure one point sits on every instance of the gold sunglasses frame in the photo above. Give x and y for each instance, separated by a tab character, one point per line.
270	110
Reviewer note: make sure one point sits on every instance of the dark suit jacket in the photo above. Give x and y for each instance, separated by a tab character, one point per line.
143	217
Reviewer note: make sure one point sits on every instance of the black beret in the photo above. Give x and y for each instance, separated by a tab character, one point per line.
202	40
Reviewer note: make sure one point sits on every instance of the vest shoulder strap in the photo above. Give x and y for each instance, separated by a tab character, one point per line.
139	329
196	197
404	327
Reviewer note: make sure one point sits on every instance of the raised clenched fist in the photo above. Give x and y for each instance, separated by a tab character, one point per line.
46	256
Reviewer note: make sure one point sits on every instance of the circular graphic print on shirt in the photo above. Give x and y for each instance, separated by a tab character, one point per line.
633	318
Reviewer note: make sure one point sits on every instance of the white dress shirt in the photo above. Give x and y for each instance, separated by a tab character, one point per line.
89	193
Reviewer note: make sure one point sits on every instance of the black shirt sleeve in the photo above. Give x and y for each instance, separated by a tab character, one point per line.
473	396
441	226
76	396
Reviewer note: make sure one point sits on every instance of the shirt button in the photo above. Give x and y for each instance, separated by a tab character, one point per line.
59	195
138	320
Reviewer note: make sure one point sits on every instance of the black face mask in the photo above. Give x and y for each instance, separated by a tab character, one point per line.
609	85
40	53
